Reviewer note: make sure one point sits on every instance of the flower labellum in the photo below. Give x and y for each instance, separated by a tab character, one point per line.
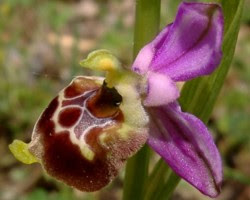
95	124
83	136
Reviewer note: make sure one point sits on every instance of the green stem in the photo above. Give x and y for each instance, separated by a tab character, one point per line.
147	22
146	27
156	180
168	187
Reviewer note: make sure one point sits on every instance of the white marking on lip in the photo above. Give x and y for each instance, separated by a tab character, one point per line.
81	141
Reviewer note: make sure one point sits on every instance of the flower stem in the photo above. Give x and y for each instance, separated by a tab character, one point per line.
146	27
168	187
156	180
147	22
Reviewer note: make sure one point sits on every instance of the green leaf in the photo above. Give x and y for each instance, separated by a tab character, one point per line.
198	96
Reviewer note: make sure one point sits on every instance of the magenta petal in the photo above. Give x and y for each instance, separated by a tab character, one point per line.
190	47
144	58
185	143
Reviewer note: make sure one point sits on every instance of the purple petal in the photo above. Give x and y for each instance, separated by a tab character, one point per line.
147	53
160	85
190	47
186	145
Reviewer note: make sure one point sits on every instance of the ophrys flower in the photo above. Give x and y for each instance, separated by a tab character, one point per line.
95	124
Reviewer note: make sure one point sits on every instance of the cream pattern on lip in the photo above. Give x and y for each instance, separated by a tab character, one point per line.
73	110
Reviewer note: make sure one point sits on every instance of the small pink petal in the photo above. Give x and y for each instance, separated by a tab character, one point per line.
161	90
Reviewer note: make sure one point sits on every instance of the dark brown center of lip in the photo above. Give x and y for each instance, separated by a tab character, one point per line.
105	103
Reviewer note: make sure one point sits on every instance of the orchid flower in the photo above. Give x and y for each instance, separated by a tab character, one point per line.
95	124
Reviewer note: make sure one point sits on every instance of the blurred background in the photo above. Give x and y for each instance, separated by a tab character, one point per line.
41	44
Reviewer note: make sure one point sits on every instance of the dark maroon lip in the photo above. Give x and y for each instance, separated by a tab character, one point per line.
87	104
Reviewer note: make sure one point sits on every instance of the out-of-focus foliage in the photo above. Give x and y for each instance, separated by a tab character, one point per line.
41	44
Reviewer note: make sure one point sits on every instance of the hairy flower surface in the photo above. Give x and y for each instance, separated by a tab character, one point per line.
95	124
